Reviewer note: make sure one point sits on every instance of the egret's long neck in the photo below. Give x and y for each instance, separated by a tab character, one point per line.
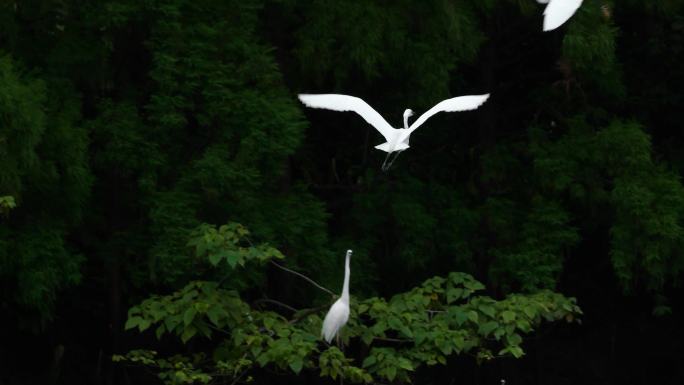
345	286
406	126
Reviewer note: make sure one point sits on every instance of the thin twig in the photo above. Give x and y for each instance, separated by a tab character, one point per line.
386	339
238	377
283	305
217	329
306	312
311	281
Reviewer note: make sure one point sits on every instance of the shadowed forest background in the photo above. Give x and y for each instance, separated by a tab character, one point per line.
156	169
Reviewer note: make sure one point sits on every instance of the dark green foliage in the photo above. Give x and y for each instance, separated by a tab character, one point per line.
424	326
130	130
614	178
43	152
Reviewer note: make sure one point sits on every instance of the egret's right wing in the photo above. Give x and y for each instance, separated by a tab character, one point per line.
558	12
338	102
460	103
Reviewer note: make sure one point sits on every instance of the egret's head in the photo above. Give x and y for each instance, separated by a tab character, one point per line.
408	112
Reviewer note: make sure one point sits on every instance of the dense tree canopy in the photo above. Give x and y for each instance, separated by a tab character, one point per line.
161	188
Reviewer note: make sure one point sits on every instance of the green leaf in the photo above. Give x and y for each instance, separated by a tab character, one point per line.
472	316
214	314
459	343
405	364
233	257
188	333
255	350
296	364
488	310
391	373
454	294
508	316
420	336
160	331
514	339
460	316
367	337
189	316
523	325
369	361
144	324
473	285
488	327
395	323
215	258
407	332
269	322
132	322
530	311
516	351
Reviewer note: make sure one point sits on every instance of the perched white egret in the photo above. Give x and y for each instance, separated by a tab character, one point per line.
558	12
397	139
338	315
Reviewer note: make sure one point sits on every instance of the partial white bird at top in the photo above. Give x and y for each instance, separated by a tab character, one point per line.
397	140
558	12
338	315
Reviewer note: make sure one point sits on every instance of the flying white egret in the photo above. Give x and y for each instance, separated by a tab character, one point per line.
338	315
397	139
558	12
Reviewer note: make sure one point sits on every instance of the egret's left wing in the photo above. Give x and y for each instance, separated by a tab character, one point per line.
460	103
337	102
558	12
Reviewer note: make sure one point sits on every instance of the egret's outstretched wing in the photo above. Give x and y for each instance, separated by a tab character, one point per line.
460	103
558	12
338	102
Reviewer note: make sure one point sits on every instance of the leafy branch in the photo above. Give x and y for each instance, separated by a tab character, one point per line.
424	326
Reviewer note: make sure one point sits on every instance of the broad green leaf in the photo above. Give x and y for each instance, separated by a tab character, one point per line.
132	322
215	258
369	361
188	333
144	324
160	331
391	373
296	365
508	316
214	314
189	316
488	327
488	310
530	311
472	316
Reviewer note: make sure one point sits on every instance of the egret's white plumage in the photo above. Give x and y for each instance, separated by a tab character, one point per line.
338	102
396	139
558	12
338	315
459	103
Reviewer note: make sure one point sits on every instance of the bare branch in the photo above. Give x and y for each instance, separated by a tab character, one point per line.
272	301
306	312
311	281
